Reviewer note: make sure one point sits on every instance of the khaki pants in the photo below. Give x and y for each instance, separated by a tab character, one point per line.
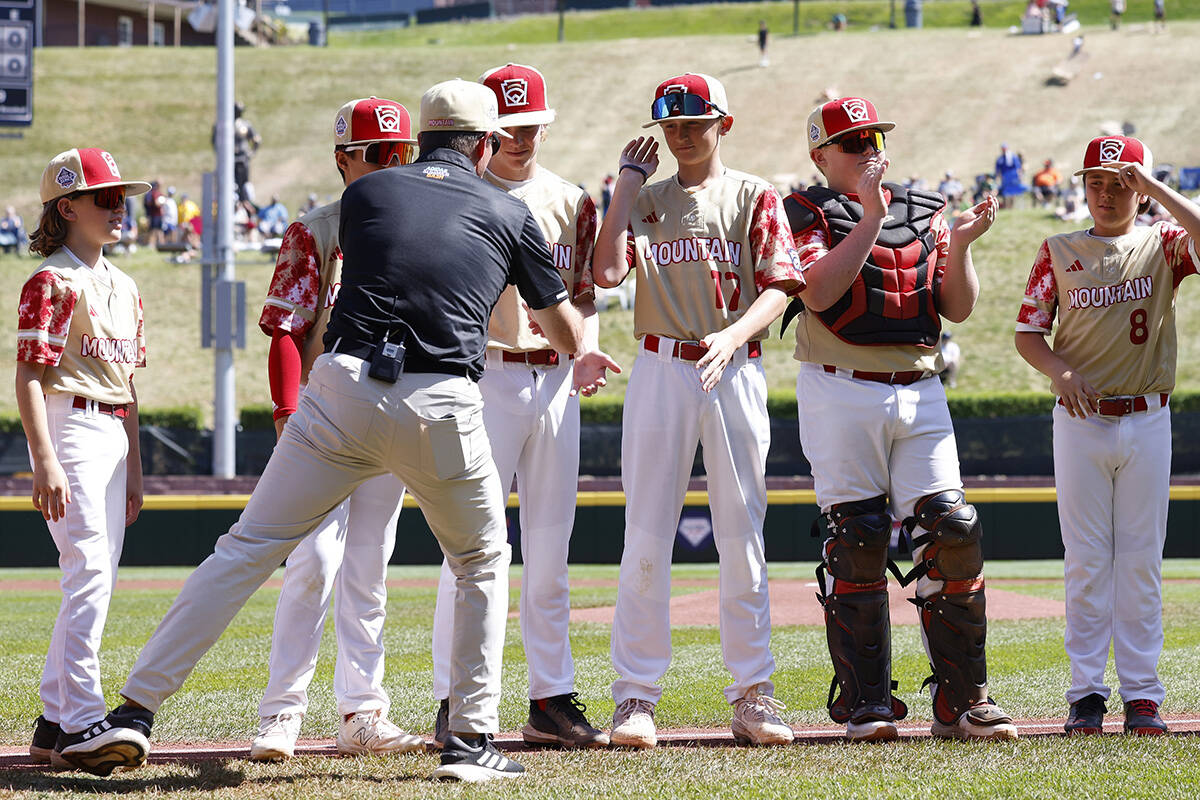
426	429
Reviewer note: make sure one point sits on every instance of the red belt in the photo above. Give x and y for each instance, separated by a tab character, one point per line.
1120	406
540	358
895	378
120	411
693	351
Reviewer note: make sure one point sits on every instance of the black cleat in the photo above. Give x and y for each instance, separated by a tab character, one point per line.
1086	716
45	737
1142	719
441	726
560	720
121	739
475	759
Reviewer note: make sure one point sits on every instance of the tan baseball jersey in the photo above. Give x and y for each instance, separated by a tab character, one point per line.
85	325
1115	302
567	216
819	345
703	255
304	287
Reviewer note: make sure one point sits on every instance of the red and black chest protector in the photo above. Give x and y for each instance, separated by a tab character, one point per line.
891	301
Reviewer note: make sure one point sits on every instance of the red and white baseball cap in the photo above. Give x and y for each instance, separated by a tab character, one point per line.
83	169
520	95
372	119
842	116
1110	153
688	96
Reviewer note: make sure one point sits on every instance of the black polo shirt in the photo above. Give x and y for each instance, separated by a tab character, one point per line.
427	248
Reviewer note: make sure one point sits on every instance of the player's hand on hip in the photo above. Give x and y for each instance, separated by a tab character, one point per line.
51	492
641	156
1077	395
721	347
870	189
975	221
590	372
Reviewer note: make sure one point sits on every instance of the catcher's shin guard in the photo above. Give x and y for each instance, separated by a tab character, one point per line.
853	582
951	601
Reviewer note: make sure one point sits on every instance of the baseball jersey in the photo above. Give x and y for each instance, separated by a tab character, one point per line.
819	345
567	215
703	255
85	325
1115	302
304	287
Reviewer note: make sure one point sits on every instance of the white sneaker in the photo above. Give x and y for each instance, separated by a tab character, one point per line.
276	739
756	720
371	732
633	724
983	721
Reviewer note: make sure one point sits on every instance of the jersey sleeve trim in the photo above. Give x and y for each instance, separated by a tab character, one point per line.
291	303
44	318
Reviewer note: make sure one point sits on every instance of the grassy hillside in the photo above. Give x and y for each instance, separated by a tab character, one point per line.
959	94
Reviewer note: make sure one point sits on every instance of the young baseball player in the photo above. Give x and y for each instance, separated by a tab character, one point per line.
1112	367
714	268
79	337
369	134
531	413
882	268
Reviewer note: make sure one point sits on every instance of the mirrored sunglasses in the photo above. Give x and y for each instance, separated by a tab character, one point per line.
857	142
680	104
110	198
386	154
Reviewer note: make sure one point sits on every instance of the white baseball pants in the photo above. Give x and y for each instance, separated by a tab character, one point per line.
427	429
533	424
665	414
91	447
355	568
1113	476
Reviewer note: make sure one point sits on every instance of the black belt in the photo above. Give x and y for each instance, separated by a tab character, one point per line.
413	363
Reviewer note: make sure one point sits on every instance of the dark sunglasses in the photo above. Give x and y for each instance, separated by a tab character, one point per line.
110	198
857	142
494	139
681	104
385	154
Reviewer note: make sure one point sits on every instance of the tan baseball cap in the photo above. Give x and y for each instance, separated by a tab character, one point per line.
843	115
82	169
1110	153
520	94
688	96
372	119
459	105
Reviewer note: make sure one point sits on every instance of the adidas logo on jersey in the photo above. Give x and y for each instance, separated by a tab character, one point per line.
651	218
1075	266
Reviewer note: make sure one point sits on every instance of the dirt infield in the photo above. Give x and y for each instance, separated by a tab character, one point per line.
17	758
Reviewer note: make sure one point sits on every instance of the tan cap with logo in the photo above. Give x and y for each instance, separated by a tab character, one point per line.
83	169
459	105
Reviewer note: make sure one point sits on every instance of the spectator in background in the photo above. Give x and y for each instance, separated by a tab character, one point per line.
1045	184
1009	167
951	188
985	187
189	222
1160	16
309	204
762	43
952	356
150	201
12	232
915	181
976	14
839	21
273	219
606	190
170	216
1118	8
1073	207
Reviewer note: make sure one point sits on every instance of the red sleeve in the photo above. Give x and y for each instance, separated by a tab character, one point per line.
44	318
1040	304
1179	249
283	372
291	303
585	242
630	248
776	262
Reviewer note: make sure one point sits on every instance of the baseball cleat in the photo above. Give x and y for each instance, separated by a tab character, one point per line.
1142	719
475	759
1086	715
441	725
119	740
982	721
45	737
276	738
633	724
756	720
372	732
872	730
560	721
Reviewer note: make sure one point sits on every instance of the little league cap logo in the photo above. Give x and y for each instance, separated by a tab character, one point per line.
339	127
388	118
856	110
814	132
675	88
516	91
66	177
1111	150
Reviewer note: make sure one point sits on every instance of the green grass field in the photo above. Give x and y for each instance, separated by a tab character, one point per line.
1027	669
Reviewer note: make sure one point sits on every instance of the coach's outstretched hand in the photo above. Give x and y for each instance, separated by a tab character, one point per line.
975	221
591	372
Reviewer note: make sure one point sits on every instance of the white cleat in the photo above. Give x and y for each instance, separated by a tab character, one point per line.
371	732
756	720
633	724
276	739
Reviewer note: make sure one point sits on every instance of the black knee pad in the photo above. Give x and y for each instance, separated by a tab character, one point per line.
859	534
953	533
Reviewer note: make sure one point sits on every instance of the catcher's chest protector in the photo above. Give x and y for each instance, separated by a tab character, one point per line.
891	302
